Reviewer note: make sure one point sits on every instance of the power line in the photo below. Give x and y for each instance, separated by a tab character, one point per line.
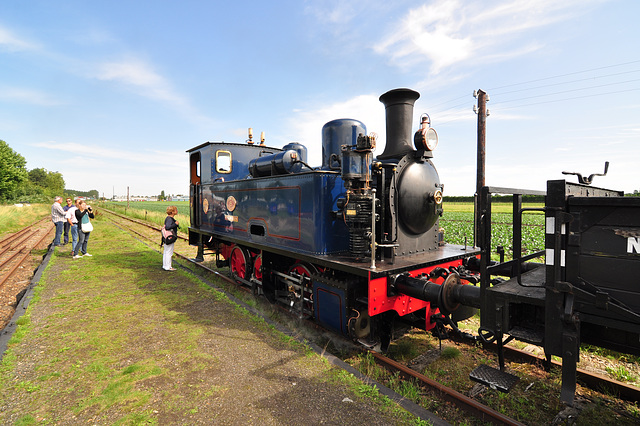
565	75
540	87
568	91
591	95
498	109
567	82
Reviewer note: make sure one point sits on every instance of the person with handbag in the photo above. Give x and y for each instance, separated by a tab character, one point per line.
170	226
84	229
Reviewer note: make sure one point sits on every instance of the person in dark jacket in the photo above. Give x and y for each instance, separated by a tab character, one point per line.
170	224
67	225
83	214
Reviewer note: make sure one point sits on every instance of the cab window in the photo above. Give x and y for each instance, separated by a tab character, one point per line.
223	162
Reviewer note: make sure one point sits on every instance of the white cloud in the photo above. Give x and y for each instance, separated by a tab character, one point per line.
365	108
92	151
447	32
107	169
28	96
338	12
12	43
140	77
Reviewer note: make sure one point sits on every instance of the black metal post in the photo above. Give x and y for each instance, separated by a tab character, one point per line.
481	155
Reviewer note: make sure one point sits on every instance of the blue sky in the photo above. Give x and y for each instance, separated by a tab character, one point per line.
112	94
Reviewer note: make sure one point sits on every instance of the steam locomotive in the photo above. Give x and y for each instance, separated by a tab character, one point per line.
355	244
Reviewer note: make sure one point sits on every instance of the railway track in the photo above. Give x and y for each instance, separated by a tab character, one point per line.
156	236
16	262
465	403
469	405
15	248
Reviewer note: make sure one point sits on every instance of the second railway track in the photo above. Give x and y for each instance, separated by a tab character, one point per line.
17	263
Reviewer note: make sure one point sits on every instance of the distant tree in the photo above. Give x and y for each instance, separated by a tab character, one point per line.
161	197
48	183
75	193
38	177
13	171
54	183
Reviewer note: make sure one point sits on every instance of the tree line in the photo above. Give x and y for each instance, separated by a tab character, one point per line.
17	184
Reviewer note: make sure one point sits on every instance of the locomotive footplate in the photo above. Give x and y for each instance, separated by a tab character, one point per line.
493	378
446	253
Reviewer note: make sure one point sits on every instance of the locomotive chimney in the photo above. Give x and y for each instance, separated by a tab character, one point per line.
398	104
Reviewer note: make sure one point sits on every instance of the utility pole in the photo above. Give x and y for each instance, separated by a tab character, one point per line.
483	113
127	197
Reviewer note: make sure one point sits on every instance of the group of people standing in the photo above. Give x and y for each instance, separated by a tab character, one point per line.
72	218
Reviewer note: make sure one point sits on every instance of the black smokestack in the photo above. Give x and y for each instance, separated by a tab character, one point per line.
398	104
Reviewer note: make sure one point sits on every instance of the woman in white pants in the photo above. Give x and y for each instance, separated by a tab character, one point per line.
170	224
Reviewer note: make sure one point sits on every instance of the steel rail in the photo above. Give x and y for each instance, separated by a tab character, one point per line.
592	380
9	240
469	405
218	274
24	257
12	237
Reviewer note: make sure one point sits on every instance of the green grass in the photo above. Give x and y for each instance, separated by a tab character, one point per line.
15	218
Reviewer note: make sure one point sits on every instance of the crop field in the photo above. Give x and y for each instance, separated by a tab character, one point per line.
457	222
151	206
151	211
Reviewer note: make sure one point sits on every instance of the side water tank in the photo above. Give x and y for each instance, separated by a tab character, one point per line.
336	133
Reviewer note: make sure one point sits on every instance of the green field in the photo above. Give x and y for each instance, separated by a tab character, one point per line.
150	206
457	222
151	211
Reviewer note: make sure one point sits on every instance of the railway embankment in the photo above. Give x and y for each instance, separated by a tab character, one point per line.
114	339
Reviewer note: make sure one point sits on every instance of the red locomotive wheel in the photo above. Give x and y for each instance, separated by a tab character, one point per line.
303	269
238	262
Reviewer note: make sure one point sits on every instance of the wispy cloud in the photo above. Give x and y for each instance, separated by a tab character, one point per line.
93	151
13	43
140	77
335	11
28	96
448	32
